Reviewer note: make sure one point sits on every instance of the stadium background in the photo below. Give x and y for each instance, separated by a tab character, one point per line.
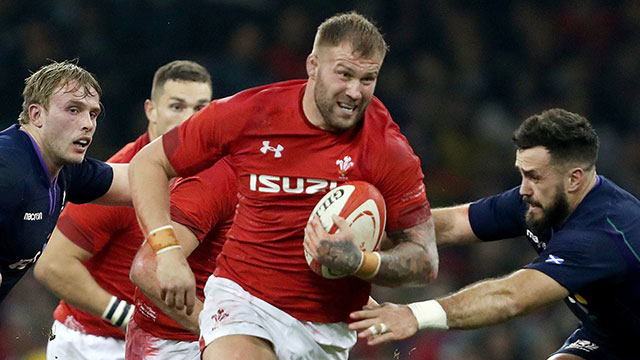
459	78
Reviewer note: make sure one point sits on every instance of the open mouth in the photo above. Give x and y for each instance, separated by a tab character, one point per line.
82	143
349	108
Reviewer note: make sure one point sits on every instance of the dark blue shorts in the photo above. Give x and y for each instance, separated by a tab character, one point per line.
584	344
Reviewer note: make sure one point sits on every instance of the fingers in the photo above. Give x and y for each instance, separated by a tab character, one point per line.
341	223
382	338
190	300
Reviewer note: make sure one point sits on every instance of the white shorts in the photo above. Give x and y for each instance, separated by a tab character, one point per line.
69	344
143	346
230	310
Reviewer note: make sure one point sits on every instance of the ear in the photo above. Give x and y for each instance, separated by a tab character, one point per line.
149	109
35	115
575	179
312	66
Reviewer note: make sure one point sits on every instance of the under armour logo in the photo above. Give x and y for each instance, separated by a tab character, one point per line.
277	150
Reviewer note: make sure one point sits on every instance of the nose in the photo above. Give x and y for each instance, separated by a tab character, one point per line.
525	187
354	89
88	124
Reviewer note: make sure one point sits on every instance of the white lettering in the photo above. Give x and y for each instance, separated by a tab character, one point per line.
33	216
276	184
24	262
270	185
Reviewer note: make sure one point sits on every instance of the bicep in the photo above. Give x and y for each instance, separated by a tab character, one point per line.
118	193
60	248
452	225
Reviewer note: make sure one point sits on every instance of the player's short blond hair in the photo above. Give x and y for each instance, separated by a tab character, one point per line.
356	30
40	85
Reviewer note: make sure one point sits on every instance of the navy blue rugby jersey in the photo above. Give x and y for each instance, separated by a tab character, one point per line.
30	202
595	254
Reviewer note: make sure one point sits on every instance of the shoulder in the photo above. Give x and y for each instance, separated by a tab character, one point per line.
262	96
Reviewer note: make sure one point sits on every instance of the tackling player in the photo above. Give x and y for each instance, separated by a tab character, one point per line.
43	164
586	232
88	259
289	143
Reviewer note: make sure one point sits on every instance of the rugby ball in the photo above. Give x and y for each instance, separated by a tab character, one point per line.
363	208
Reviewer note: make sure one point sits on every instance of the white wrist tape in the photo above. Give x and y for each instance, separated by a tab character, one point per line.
430	315
118	312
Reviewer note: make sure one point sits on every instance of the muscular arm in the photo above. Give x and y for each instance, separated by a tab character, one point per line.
149	174
497	300
118	193
61	270
413	258
452	226
482	304
143	274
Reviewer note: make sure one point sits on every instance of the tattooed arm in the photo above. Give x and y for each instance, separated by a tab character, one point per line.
412	258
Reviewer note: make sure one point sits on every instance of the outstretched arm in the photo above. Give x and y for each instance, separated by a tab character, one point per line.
143	274
61	269
119	192
453	226
149	174
485	303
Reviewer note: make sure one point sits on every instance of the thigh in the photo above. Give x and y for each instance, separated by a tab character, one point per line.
142	345
239	347
65	343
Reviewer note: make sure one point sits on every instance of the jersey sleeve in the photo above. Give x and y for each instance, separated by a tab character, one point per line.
89	180
200	202
91	226
206	136
576	259
400	180
498	217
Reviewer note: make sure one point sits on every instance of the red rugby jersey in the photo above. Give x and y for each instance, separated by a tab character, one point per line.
112	235
205	203
284	165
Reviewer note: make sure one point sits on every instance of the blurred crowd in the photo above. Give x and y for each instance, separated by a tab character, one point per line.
459	77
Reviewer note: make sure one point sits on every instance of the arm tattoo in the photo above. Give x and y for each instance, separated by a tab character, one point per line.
413	260
342	256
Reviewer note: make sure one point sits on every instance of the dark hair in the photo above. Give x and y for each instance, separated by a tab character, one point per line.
41	85
568	137
353	28
181	70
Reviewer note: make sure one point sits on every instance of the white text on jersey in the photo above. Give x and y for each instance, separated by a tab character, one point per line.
34	216
276	184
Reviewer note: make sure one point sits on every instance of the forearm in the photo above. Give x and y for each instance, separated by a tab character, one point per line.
413	260
150	198
73	283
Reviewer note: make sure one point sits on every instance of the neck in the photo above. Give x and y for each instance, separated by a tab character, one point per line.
583	190
309	106
34	133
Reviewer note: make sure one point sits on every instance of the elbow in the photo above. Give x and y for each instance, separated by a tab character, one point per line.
45	271
136	272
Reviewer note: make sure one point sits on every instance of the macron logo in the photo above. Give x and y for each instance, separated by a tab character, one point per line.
277	150
33	216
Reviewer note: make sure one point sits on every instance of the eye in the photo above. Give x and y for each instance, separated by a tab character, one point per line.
176	107
200	107
94	115
74	110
